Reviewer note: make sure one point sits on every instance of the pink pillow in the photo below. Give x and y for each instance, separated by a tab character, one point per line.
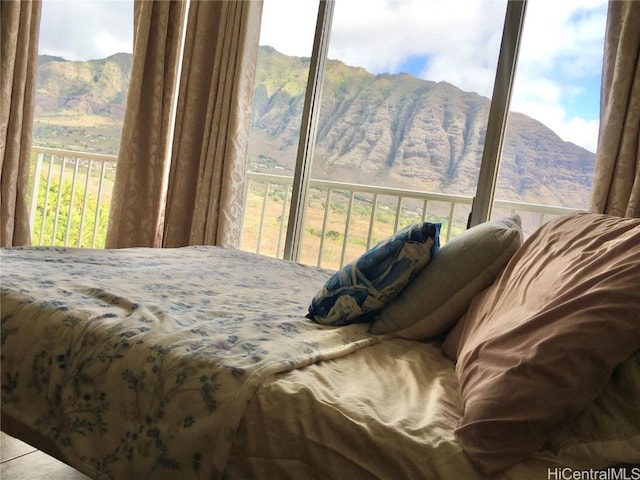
542	341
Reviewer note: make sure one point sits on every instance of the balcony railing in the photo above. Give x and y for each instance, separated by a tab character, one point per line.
71	193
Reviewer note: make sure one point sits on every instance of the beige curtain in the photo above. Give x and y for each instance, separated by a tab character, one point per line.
616	184
20	24
206	181
137	206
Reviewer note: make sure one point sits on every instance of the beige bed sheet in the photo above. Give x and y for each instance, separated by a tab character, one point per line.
361	417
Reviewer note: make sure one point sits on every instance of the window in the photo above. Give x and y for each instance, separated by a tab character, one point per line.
550	139
398	112
399	132
83	73
280	86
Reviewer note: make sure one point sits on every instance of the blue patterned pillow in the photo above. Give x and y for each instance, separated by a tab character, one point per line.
359	290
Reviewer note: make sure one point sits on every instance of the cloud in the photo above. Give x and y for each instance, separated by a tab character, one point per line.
88	29
289	26
461	43
381	35
571	128
559	67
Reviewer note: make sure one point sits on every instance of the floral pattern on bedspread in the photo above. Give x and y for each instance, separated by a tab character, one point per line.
139	363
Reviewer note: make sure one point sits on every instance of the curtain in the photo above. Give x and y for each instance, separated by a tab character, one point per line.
616	184
206	180
20	24
137	207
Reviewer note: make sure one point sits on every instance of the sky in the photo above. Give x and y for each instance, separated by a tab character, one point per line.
560	61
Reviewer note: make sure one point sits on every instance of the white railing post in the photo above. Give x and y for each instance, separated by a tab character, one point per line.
96	221
325	219
283	220
372	220
85	201
425	207
37	172
452	211
347	224
262	214
396	223
46	199
247	186
56	214
76	164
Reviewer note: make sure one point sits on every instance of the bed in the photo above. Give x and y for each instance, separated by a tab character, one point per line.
203	362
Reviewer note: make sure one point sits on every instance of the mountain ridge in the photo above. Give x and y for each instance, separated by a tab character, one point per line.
383	129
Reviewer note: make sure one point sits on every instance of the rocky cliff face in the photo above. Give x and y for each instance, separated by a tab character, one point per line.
391	130
94	87
397	130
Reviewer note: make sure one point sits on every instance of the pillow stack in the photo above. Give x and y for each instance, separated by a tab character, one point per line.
540	344
440	294
392	286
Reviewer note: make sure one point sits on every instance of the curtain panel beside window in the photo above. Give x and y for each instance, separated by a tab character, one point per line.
616	183
182	184
206	180
137	207
19	31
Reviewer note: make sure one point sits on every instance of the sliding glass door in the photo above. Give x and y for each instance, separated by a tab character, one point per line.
396	114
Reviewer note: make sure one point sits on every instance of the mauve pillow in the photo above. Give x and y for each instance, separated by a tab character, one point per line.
539	345
607	431
440	294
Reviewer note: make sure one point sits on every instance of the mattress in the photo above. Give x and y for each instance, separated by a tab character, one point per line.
389	411
139	363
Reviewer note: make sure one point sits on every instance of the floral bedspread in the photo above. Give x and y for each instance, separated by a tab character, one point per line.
139	363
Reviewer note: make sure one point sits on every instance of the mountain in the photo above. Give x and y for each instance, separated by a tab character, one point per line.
87	87
400	131
80	104
390	130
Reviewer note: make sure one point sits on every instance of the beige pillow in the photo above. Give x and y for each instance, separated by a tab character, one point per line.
541	342
440	294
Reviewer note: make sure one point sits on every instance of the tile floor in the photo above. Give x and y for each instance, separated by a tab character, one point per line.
19	461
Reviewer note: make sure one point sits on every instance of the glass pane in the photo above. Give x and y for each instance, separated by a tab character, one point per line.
280	86
83	72
405	105
552	130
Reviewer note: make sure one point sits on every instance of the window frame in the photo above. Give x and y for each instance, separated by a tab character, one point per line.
492	148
